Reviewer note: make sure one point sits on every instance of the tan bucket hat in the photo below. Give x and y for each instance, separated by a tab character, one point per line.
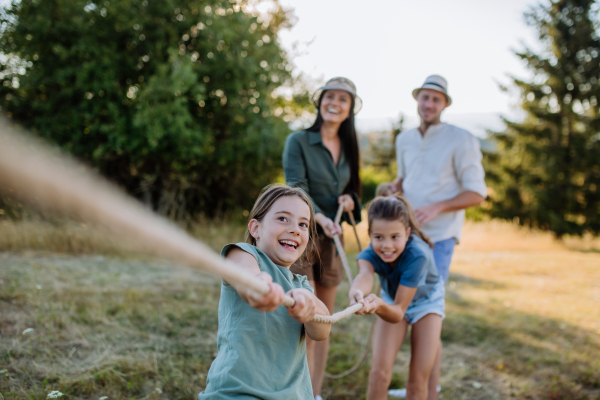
340	84
437	83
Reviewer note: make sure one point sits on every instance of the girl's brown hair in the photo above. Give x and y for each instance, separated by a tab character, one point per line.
268	196
396	208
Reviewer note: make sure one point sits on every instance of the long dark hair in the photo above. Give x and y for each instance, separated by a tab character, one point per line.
396	208
347	134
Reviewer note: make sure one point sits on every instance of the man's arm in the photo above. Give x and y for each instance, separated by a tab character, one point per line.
460	202
468	169
396	185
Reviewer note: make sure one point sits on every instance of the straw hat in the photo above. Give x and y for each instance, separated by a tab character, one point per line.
437	83
341	84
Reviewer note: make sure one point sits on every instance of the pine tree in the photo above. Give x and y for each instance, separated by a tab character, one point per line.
546	172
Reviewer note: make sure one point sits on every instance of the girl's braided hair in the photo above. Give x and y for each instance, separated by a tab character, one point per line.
393	208
268	196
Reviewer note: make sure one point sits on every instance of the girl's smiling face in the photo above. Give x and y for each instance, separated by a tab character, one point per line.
388	238
283	233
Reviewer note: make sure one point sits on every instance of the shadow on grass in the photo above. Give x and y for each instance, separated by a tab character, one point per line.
512	354
474	282
123	328
558	360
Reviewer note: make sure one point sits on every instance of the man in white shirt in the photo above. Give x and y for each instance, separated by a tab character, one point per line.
440	174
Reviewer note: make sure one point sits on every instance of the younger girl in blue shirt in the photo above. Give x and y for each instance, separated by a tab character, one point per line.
412	293
262	355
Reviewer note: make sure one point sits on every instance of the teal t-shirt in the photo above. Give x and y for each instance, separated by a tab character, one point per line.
262	355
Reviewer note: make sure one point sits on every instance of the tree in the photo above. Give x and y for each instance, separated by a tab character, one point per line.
172	100
379	158
546	172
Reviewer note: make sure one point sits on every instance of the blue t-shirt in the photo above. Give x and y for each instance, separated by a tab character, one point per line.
414	268
262	355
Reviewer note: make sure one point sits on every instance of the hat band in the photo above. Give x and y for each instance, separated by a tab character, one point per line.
324	88
435	84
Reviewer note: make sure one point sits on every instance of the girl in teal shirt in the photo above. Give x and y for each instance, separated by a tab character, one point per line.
262	347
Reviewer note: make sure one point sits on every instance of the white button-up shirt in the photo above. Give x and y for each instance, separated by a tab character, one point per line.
438	166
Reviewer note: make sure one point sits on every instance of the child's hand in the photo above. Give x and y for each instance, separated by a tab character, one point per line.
305	307
270	301
371	304
356	296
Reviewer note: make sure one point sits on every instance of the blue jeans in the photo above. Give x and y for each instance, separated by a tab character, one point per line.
442	253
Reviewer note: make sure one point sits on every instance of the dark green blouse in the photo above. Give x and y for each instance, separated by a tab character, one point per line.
308	164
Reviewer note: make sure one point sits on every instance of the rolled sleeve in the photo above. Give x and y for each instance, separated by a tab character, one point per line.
294	168
467	164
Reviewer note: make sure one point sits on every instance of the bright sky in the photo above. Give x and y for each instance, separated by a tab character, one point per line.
388	48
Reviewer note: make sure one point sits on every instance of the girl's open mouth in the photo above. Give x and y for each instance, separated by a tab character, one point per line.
388	254
288	244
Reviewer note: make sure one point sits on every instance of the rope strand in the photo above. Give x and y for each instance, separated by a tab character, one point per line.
55	182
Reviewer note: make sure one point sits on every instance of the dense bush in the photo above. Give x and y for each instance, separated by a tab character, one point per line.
171	100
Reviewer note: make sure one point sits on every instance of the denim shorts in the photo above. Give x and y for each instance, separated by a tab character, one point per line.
433	304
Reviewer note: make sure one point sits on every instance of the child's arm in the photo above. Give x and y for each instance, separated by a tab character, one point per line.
392	313
307	305
363	283
267	302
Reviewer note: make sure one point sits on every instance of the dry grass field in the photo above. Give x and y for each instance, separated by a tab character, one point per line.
81	316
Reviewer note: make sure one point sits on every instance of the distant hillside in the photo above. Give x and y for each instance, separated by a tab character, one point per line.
476	123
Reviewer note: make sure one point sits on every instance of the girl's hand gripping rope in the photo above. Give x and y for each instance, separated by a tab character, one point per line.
370	303
304	307
269	301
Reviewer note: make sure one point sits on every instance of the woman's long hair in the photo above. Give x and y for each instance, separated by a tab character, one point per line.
347	134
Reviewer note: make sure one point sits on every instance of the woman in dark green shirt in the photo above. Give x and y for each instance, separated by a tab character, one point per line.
324	161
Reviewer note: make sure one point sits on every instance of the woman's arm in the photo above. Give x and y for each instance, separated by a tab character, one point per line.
294	168
330	228
267	302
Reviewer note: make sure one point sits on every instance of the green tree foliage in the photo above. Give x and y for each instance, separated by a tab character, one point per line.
379	159
172	100
546	172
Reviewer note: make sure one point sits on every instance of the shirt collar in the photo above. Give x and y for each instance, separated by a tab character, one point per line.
433	129
314	138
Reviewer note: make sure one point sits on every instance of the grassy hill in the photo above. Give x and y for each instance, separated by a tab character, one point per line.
523	318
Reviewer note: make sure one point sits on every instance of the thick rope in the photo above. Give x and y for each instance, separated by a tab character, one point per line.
55	182
339	247
353	222
362	357
367	348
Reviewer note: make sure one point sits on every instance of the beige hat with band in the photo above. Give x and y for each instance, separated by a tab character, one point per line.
437	83
340	84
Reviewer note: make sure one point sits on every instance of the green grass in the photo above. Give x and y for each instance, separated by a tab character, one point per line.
520	324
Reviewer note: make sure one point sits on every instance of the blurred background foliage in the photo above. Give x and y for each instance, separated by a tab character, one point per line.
175	102
546	170
187	105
